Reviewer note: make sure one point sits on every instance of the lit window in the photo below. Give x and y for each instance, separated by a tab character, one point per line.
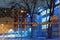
43	13
45	26
40	10
44	19
47	18
48	10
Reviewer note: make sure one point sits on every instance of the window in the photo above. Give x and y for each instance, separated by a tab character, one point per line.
45	18
45	26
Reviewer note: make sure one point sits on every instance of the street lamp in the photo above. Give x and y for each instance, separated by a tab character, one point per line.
22	11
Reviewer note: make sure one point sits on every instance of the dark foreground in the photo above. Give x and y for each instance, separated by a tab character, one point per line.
28	39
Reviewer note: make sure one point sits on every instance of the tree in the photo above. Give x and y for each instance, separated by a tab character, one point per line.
31	5
51	5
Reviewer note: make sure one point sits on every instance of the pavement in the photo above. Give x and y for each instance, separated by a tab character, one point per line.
28	39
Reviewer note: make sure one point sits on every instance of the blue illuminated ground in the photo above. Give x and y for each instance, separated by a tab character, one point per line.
28	39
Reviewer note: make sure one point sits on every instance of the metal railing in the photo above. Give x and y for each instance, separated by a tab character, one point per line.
29	22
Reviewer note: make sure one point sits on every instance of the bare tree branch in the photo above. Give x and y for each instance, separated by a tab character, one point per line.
34	2
57	4
47	3
48	7
25	2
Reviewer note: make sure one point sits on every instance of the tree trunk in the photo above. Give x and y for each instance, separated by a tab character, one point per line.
52	5
49	31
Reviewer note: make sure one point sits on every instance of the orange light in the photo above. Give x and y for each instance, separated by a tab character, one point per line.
22	11
54	17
